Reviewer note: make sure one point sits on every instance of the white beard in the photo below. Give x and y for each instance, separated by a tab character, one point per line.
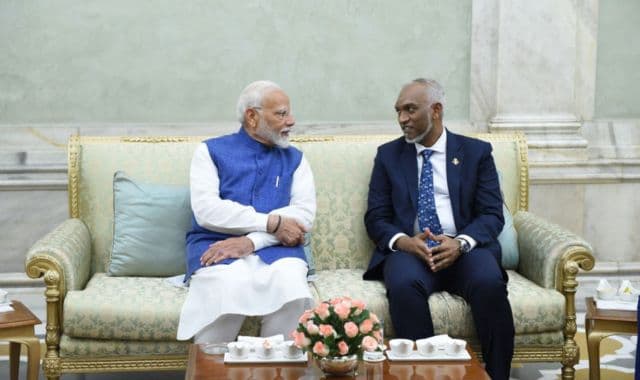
272	136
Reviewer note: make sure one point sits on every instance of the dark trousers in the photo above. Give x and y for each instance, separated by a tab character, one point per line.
477	278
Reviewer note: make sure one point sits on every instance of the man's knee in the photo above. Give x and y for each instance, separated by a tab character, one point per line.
402	288
488	287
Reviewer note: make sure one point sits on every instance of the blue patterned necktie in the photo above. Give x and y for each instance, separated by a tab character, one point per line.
427	215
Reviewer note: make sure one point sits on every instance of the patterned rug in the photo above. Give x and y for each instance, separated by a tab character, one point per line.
617	361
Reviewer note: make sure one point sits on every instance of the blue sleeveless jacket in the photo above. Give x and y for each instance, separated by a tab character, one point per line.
252	174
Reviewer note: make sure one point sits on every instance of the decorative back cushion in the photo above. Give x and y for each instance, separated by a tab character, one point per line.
150	224
308	253
508	238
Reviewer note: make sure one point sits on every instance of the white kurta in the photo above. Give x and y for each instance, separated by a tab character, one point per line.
248	286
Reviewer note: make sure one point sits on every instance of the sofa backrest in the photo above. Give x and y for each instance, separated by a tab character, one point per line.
341	166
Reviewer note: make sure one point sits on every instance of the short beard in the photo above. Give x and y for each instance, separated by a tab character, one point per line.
272	136
418	139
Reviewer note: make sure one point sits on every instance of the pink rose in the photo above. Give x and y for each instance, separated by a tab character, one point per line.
343	310
326	330
359	304
343	348
374	318
351	329
322	310
312	328
305	316
335	301
320	349
366	326
369	343
378	335
300	340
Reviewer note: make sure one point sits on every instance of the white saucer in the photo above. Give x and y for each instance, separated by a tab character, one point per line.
383	358
437	355
254	358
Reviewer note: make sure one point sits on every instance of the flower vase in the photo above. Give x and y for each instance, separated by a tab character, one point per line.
339	365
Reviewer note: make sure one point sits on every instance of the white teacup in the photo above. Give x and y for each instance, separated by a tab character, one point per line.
265	351
605	291
627	292
290	350
425	347
455	347
373	356
401	347
238	350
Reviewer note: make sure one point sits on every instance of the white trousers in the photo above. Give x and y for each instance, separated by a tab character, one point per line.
227	327
246	287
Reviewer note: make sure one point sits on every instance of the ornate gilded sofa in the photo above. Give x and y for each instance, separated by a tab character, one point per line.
100	323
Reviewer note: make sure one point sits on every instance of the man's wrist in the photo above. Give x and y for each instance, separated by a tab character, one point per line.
273	223
463	245
393	243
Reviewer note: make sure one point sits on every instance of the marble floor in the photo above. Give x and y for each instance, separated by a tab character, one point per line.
617	359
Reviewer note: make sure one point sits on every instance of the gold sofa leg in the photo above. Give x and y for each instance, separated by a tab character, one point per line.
51	361
575	260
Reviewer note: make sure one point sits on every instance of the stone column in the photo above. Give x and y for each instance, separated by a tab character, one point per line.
533	67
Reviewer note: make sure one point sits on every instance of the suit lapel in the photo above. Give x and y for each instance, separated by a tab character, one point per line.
455	160
409	166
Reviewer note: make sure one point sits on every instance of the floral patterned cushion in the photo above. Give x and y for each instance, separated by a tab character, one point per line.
128	308
535	309
131	309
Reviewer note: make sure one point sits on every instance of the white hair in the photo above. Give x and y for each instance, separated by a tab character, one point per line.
435	92
252	96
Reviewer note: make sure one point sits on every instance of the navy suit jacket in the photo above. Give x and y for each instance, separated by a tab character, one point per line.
474	191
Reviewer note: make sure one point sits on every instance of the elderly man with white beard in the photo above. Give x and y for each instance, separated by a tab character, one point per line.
253	199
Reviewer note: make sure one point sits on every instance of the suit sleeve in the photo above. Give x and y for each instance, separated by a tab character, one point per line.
380	212
488	219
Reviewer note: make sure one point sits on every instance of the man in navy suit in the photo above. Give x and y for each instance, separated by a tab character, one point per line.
434	218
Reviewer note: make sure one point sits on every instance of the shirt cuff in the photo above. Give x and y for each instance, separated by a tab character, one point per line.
393	240
261	222
258	240
472	242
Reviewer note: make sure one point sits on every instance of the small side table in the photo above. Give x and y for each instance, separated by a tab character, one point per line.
599	324
17	327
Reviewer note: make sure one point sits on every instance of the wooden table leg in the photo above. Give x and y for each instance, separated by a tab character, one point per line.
33	355
14	359
33	344
593	346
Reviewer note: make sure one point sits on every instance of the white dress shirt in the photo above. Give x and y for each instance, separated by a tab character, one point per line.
438	161
227	216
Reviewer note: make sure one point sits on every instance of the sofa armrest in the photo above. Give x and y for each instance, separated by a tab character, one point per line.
63	257
66	251
551	256
548	252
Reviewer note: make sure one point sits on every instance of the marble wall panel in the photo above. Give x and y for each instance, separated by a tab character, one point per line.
26	216
612	220
562	204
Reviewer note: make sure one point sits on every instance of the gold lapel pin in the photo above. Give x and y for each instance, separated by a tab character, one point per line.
455	161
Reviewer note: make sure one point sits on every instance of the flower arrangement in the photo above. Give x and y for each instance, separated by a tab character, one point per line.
338	327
